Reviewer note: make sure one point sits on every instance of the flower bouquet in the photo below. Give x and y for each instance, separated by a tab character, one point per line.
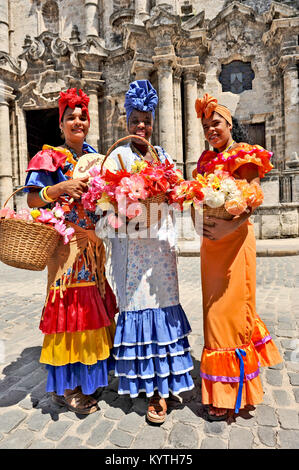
130	194
226	197
29	237
218	194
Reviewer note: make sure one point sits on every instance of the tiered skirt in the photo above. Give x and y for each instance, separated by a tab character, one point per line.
79	330
152	352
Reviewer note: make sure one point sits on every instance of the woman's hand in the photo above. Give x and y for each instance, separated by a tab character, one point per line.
221	227
73	187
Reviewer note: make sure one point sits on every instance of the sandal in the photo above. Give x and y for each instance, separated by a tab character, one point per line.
214	417
80	399
156	411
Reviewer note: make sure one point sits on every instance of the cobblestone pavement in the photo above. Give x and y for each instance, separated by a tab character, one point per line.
29	419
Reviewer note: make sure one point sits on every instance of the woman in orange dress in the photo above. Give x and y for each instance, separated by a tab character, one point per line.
237	342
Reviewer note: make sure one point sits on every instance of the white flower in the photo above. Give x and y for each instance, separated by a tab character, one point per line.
213	198
228	186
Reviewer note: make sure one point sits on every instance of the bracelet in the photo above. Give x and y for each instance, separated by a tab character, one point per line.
47	198
41	196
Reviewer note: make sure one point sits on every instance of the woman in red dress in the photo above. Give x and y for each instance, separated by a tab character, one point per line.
78	316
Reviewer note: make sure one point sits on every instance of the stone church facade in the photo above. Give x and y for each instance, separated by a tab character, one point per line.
246	53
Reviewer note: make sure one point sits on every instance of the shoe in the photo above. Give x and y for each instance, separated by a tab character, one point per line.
214	417
157	408
80	401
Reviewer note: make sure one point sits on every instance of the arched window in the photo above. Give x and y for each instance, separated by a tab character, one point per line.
50	12
236	76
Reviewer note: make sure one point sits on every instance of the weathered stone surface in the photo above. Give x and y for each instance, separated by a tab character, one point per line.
240	439
183	436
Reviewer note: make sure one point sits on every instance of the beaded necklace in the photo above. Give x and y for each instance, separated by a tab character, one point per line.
135	150
228	147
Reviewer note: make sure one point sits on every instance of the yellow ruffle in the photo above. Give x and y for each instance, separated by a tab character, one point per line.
86	347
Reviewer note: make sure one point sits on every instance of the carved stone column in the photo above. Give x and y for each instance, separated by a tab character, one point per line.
4	26
91	17
141	70
291	109
92	81
194	137
141	11
6	183
179	156
164	64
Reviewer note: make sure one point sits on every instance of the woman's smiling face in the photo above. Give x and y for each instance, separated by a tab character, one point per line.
141	123
217	131
75	124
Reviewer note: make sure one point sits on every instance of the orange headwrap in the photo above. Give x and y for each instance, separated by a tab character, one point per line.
208	105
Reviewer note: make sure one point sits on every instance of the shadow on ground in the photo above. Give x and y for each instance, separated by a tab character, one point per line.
26	377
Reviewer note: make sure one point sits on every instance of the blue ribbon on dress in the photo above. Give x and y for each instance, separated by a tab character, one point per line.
240	353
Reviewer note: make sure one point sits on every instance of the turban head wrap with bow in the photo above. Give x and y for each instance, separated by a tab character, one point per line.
72	99
141	95
208	104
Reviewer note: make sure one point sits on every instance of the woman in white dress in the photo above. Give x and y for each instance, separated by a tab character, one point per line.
151	348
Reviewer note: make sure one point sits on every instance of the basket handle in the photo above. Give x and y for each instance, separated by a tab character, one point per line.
126	138
17	190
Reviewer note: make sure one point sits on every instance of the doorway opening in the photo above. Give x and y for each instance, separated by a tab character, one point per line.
42	128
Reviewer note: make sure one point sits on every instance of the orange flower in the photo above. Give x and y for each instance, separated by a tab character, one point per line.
235	206
254	195
206	106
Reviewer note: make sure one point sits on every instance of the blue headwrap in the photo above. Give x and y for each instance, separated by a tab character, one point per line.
142	96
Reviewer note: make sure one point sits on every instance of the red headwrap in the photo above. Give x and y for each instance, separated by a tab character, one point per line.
72	99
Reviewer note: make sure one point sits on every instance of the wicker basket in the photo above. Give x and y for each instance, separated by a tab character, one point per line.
218	212
151	212
26	244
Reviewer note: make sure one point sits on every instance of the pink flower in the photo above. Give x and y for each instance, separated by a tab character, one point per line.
114	221
58	211
65	232
7	213
24	214
134	210
46	217
137	188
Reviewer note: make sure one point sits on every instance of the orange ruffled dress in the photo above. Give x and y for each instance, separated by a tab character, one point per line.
237	341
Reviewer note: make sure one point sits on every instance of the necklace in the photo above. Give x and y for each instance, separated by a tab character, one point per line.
75	155
135	150
229	146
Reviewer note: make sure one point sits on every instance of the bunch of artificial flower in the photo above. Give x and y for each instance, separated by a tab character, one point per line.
221	189
216	190
124	190
54	217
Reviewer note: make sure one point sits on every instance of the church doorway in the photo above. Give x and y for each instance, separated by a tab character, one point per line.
42	128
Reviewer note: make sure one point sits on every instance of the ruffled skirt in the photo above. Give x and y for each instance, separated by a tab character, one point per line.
152	352
79	331
237	342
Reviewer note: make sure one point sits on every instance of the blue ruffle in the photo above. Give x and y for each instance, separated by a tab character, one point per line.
149	368
71	376
146	351
158	325
175	384
151	352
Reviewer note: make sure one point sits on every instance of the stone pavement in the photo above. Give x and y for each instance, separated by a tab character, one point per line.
29	419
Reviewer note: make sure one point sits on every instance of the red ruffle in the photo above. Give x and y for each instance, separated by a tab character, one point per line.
80	309
48	159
